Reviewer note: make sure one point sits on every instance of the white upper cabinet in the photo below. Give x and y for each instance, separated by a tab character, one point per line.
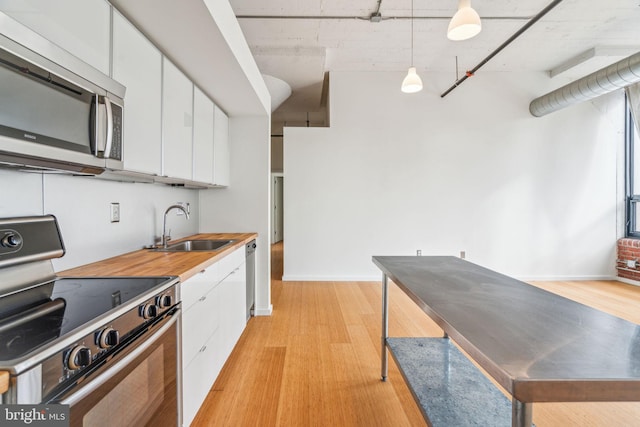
221	156
171	128
137	64
202	137
177	122
82	27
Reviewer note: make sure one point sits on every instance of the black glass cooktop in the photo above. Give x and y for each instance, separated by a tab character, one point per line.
34	317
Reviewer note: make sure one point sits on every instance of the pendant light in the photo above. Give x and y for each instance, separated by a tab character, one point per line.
465	23
412	82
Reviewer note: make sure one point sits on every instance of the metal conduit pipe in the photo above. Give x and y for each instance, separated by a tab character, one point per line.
517	34
616	76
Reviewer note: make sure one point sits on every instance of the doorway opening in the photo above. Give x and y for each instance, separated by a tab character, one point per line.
277	208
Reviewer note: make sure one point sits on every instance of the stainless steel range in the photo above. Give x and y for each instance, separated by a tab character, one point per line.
106	346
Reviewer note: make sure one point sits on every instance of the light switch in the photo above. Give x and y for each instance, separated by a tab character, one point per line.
115	212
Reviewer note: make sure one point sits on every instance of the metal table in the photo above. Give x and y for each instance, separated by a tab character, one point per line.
539	346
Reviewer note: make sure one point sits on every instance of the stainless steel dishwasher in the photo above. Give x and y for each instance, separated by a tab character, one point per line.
251	276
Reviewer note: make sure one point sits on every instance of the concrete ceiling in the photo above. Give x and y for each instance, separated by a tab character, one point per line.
298	41
204	39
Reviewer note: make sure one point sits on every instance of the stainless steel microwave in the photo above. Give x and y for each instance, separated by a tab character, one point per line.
56	112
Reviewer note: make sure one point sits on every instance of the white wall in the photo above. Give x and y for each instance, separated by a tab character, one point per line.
475	172
82	207
245	205
276	154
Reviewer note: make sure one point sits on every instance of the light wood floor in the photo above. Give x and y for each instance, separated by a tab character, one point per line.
315	361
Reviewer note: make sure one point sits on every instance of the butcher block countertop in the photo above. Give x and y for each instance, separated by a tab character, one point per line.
4	381
147	262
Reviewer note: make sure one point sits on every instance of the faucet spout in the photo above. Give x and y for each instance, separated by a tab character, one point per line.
165	237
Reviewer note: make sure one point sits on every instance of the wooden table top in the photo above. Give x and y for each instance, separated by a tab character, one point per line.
146	262
539	346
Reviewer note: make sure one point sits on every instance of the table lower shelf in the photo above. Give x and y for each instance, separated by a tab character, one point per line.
450	390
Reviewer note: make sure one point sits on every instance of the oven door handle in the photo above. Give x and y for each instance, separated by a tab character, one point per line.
93	384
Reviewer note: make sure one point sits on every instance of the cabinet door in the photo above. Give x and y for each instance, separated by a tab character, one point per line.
199	322
197	379
232	309
202	137
82	27
177	122
221	157
137	64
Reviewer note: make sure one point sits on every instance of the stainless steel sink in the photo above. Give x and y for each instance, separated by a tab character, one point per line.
196	245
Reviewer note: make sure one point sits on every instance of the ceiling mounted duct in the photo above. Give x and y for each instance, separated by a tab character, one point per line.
616	76
278	89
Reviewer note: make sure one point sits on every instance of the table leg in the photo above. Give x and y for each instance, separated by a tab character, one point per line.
385	327
521	413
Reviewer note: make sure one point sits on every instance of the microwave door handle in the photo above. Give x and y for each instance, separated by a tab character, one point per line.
95	128
109	139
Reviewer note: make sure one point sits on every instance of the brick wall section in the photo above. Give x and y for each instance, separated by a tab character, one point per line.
628	250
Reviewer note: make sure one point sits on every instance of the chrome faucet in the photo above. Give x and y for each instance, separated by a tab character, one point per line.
165	237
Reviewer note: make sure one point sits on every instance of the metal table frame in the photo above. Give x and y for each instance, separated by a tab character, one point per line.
621	385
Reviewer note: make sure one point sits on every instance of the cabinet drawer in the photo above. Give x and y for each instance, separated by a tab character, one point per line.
198	377
199	323
194	288
231	262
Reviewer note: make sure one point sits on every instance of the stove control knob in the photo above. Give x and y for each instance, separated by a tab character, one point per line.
79	357
108	338
148	311
11	240
164	301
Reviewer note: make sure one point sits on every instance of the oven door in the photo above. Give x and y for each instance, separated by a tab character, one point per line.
141	386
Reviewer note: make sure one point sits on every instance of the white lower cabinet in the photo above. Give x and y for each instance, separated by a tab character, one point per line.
233	313
198	377
213	319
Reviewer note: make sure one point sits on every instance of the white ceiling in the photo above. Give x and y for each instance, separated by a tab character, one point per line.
299	40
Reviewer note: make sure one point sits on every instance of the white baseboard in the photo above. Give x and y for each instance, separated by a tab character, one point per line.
306	278
628	281
263	311
321	278
564	278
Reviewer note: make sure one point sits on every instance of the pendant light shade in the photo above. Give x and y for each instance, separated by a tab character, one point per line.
465	23
412	83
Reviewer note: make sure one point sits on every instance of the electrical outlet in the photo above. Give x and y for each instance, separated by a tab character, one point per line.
115	212
185	205
631	263
463	254
418	252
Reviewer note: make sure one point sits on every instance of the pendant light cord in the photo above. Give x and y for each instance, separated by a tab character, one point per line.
412	33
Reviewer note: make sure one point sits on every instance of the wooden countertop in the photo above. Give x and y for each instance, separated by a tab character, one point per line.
4	381
147	262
